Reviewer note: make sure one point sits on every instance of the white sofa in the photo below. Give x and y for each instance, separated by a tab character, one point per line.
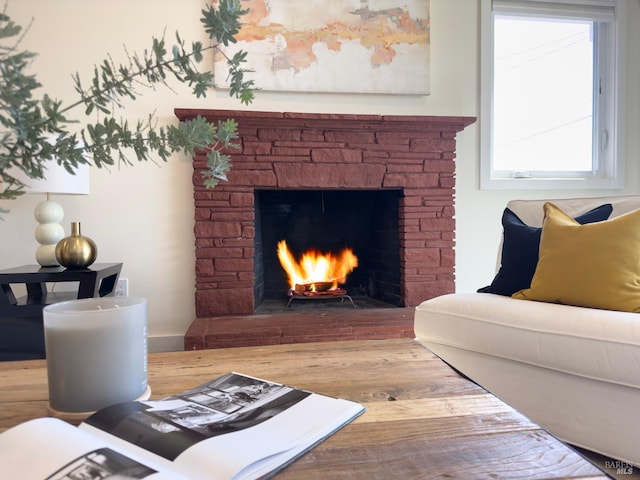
573	370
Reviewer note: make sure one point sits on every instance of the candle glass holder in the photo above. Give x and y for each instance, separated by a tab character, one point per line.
96	350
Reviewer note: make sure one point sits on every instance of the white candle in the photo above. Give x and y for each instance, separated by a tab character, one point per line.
96	351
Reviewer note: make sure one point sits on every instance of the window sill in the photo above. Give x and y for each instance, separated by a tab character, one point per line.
551	184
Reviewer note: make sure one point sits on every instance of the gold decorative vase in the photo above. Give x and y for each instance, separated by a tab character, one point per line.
76	250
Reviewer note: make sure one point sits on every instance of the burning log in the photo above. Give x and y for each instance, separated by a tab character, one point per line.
316	289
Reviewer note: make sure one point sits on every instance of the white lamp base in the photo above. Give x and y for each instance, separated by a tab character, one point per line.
48	214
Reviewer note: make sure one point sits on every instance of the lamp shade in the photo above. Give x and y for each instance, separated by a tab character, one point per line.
57	180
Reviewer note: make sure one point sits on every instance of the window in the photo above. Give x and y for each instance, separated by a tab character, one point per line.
551	97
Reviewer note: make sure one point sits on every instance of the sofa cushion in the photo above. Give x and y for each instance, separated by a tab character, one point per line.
598	344
531	211
520	250
594	265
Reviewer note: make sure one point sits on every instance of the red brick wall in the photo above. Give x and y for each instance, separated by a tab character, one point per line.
308	150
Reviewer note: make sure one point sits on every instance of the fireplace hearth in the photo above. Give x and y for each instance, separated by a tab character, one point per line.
382	185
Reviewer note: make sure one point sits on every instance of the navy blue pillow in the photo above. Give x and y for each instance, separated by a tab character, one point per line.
520	250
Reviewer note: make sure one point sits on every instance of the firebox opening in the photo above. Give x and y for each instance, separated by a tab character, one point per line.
365	221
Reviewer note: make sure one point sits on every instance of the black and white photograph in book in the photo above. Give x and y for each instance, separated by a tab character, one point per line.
231	403
100	464
232	392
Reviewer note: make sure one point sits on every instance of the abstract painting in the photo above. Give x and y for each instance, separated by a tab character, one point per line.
343	46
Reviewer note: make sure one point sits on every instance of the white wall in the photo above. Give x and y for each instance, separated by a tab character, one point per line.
143	215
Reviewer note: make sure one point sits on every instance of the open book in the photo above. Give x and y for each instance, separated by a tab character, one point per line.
234	427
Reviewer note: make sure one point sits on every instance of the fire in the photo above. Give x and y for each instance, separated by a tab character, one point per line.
316	268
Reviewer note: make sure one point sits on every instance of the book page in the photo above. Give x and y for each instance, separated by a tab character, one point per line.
50	449
226	426
271	445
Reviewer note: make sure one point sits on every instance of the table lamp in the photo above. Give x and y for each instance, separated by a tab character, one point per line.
48	213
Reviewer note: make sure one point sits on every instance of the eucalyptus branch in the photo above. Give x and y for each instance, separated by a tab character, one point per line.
28	124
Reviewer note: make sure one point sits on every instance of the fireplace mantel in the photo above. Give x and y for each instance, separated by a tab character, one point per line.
293	119
327	151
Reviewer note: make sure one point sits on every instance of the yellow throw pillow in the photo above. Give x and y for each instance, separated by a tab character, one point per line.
595	265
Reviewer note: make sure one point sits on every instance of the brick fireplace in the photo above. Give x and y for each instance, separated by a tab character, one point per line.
412	156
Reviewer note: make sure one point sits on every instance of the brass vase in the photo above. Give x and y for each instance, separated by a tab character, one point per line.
76	251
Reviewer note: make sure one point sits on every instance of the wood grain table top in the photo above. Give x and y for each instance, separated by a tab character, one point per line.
423	420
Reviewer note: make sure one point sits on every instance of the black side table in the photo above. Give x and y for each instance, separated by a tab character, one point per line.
21	331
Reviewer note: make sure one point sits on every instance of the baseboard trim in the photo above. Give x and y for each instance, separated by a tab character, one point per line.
166	343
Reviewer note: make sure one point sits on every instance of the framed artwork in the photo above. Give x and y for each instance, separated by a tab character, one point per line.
341	46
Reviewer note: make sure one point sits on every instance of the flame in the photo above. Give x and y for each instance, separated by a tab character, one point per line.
316	267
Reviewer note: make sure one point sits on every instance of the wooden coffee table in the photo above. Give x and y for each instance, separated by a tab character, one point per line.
423	420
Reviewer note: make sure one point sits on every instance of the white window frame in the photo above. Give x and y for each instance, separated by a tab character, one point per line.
609	109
